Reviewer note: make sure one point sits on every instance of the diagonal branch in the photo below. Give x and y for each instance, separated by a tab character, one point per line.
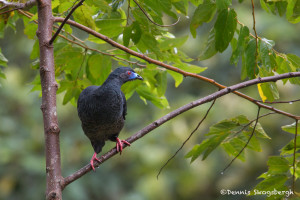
170	67
64	22
66	181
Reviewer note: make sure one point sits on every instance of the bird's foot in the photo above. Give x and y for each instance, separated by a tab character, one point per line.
119	144
93	159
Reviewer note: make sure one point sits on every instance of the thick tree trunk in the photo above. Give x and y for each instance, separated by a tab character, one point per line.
48	107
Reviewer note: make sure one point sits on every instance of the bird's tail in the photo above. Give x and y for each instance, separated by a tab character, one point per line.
97	145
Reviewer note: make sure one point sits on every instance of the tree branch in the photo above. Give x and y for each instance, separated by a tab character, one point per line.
48	107
64	22
66	181
170	67
19	5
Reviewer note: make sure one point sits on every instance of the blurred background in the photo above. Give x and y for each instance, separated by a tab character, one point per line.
133	175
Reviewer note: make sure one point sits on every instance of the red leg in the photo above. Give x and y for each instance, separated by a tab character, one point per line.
93	159
119	144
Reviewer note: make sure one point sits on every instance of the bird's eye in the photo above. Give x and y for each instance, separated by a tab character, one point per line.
129	72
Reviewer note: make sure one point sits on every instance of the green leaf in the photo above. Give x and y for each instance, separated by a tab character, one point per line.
146	94
242	39
265	52
136	33
71	93
190	68
161	77
84	14
232	135
291	64
264	6
291	128
129	88
110	27
2	75
290	147
224	28
196	2
99	67
178	78
30	29
293	11
259	131
268	89
3	60
35	53
233	148
148	42
295	60
272	182
181	6
204	13
249	62
127	35
278	165
223	4
100	4
116	4
171	43
68	96
209	45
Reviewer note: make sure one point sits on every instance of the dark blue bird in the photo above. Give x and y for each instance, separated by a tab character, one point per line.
102	110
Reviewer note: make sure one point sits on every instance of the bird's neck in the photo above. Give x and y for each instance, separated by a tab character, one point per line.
113	83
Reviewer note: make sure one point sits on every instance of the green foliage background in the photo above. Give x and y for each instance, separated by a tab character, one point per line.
209	42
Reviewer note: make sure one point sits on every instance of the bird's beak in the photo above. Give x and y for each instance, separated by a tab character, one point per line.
139	77
136	76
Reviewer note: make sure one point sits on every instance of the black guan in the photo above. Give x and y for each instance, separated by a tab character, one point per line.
102	110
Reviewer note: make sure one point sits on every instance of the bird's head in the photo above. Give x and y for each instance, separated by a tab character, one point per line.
125	74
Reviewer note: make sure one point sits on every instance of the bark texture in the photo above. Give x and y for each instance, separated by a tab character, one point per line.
48	107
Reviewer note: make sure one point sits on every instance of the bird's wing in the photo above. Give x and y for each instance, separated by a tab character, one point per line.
124	106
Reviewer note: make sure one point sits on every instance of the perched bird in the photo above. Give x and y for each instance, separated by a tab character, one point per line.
102	110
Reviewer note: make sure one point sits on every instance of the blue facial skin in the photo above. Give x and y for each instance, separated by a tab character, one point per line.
134	75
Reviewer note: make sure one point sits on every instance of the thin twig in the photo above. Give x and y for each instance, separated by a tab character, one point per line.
153	22
128	9
63	23
84	57
187	138
256	37
256	121
3	7
294	159
7	11
276	102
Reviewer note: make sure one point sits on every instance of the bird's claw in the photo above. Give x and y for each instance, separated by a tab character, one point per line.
93	159
119	145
